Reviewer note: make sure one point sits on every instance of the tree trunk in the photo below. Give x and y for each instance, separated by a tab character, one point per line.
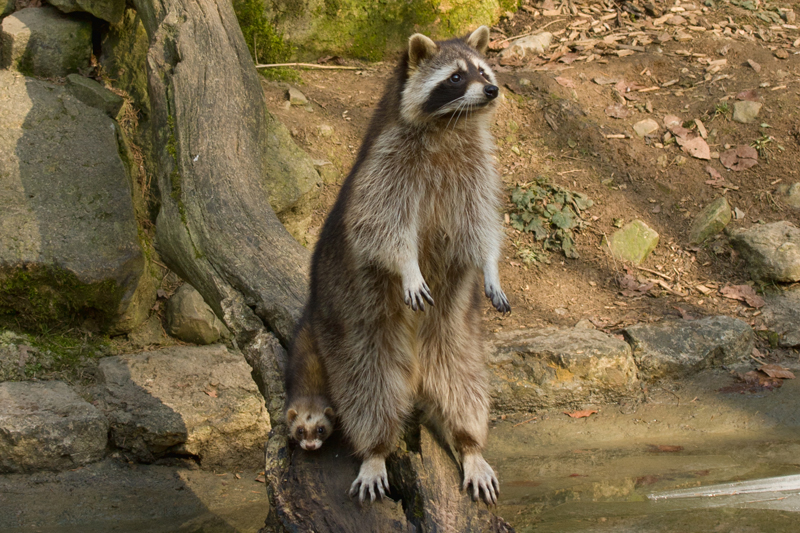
217	230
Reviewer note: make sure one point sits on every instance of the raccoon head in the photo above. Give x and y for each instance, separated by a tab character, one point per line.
447	80
310	426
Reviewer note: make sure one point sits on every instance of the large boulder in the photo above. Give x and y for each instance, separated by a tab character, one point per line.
772	251
677	348
368	29
193	401
44	42
109	10
190	319
46	426
559	367
69	245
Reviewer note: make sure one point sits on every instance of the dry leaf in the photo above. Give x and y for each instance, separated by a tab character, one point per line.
750	95
211	393
565	82
744	293
261	479
581	414
696	148
617	111
777	371
664	448
713	172
740	158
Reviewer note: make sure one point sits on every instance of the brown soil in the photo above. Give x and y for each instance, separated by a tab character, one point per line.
561	133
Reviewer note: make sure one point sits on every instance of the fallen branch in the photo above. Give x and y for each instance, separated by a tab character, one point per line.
656	272
534	32
308	65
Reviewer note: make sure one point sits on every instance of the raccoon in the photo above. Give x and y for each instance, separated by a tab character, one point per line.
309	412
395	297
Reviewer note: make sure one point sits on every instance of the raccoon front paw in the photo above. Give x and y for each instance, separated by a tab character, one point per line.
371	480
498	298
480	475
417	294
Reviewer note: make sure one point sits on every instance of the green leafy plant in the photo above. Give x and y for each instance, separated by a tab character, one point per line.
550	213
265	43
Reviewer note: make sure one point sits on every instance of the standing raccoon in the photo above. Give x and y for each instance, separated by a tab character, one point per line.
394	306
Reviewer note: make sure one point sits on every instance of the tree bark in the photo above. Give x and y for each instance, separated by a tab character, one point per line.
216	228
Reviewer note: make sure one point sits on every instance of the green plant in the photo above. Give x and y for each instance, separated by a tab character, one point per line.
722	109
550	213
762	144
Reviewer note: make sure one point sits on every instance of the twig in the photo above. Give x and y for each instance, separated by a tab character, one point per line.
524	422
537	30
308	65
656	272
669	391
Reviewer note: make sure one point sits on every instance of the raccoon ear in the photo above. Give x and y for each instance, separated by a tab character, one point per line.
479	39
329	412
420	48
291	414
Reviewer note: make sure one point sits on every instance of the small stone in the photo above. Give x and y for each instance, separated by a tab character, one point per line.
645	127
680	160
791	195
46	426
782	316
771	251
675	20
44	42
515	149
93	94
789	16
683	37
746	111
295	97
755	66
524	82
781	54
738	214
633	242
325	130
710	221
190	319
677	348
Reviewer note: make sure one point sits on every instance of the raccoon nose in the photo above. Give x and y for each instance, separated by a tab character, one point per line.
491	91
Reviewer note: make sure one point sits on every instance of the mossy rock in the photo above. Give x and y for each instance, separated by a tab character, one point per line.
710	221
124	57
633	242
371	29
69	243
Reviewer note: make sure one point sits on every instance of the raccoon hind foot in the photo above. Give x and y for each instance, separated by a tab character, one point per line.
372	480
480	475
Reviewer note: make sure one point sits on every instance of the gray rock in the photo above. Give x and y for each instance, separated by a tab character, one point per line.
295	97
46	426
782	317
790	194
44	42
772	251
710	220
559	367
190	319
93	94
68	236
529	46
149	333
633	242
195	401
746	111
109	10
675	348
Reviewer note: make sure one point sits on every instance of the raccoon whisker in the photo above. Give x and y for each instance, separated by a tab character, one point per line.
454	112
460	110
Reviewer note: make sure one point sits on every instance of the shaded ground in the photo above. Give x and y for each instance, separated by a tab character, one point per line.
555	125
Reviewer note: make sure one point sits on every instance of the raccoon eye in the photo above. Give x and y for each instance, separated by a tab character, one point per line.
482	72
455	78
301	432
321	430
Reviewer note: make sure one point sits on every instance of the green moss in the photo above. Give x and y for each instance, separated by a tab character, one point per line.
126	64
36	298
266	45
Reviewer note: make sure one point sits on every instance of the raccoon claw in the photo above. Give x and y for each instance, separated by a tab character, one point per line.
416	298
498	298
371	480
480	475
